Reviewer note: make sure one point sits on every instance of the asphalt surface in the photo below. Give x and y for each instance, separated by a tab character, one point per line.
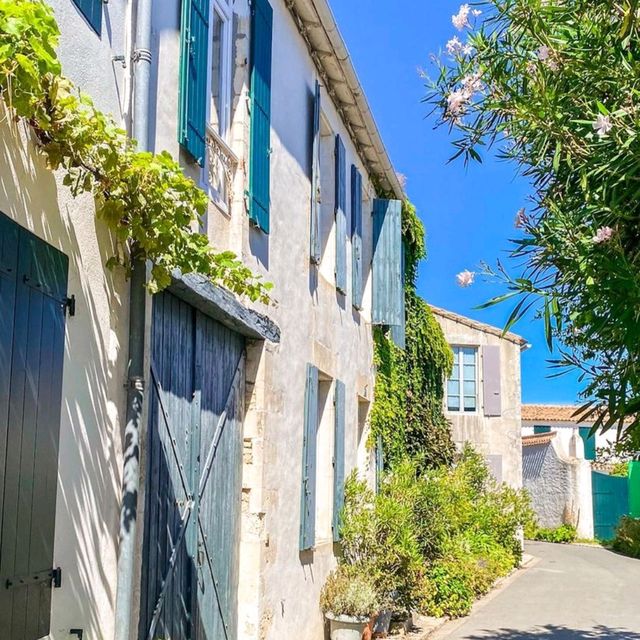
572	592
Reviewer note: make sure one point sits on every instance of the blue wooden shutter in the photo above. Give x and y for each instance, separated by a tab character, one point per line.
589	443
259	160
315	249
33	282
398	331
379	462
356	237
308	493
194	62
92	11
491	385
388	290
338	457
341	216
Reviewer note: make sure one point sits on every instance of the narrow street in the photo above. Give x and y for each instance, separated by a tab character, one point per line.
572	592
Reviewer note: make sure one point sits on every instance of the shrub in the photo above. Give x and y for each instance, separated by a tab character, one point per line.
434	539
349	591
620	469
564	534
627	538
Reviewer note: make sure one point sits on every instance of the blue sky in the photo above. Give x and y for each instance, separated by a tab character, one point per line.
468	212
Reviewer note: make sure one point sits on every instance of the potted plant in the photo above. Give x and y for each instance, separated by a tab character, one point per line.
348	600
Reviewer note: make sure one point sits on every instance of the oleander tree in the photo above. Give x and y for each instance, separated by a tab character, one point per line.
553	86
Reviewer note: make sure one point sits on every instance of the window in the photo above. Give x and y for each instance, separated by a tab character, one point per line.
220	161
462	387
92	11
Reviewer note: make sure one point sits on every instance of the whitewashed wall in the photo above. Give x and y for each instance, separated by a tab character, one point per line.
93	393
279	587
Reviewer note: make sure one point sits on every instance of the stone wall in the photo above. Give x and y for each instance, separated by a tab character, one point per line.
559	486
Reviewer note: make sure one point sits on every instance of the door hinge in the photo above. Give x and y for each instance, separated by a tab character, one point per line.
54	576
70	306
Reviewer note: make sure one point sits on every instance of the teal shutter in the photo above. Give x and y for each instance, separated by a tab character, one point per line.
259	160
356	237
398	331
315	249
379	462
341	216
33	293
194	62
388	286
338	457
92	11
308	493
589	443
541	429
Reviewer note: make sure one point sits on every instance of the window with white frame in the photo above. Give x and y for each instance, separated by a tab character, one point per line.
221	162
462	386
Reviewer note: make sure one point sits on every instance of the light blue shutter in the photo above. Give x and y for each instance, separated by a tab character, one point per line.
341	217
92	11
315	249
338	457
356	237
388	289
398	331
194	60
379	462
308	493
259	160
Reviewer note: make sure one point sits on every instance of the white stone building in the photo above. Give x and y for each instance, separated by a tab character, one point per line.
253	414
483	395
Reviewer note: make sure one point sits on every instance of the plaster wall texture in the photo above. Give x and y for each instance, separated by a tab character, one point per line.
498	438
559	486
279	587
95	358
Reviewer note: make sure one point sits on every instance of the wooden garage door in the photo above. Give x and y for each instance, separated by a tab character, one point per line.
33	290
194	484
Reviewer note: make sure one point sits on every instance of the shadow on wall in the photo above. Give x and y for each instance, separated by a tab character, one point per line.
558	633
87	510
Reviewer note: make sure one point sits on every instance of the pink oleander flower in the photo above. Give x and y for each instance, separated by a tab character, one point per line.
543	53
456	102
454	46
602	126
471	84
521	219
461	19
465	278
603	234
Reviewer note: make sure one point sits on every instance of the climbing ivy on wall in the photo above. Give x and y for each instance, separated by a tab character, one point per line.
408	409
151	207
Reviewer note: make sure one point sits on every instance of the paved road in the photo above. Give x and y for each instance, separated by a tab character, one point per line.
573	592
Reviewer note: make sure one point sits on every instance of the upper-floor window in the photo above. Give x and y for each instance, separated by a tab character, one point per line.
462	386
92	11
220	161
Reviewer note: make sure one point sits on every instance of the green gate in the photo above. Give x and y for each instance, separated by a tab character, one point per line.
610	503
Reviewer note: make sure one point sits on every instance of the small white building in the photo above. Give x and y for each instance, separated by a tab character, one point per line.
543	418
483	395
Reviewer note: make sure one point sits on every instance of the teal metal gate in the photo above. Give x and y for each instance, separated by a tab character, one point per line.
194	482
610	503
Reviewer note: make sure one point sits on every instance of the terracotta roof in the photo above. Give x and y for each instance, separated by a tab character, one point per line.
538	438
479	326
552	413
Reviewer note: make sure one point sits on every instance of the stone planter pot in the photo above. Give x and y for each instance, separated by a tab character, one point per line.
383	622
346	627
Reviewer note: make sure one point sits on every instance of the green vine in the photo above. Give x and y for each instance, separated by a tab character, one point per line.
145	199
407	413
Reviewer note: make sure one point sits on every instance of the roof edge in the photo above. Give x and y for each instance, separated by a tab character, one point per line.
480	326
357	113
